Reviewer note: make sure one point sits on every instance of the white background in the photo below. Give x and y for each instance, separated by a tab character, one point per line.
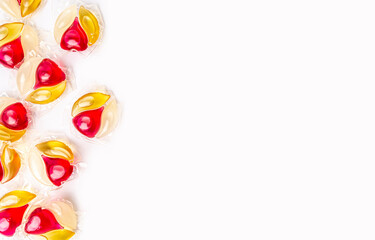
241	120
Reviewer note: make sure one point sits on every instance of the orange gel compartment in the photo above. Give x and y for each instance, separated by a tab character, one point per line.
10	163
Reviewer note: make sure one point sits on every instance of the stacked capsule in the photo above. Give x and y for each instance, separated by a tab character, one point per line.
43	79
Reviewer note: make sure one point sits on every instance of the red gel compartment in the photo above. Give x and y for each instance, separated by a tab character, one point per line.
48	74
15	117
88	123
74	38
11	219
11	54
41	221
58	170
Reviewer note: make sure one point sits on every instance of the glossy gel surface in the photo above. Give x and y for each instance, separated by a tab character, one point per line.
11	219
58	170
74	38
28	6
90	25
48	74
41	221
13	119
11	54
88	122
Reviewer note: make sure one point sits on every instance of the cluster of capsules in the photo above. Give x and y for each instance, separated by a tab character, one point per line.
41	81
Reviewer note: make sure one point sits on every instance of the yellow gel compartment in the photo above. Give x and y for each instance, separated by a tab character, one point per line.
89	24
55	149
10	32
10	135
61	234
17	198
29	6
89	101
45	95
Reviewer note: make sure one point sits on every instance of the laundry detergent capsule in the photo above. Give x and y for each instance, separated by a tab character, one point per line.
56	220
76	29
41	80
95	114
52	162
